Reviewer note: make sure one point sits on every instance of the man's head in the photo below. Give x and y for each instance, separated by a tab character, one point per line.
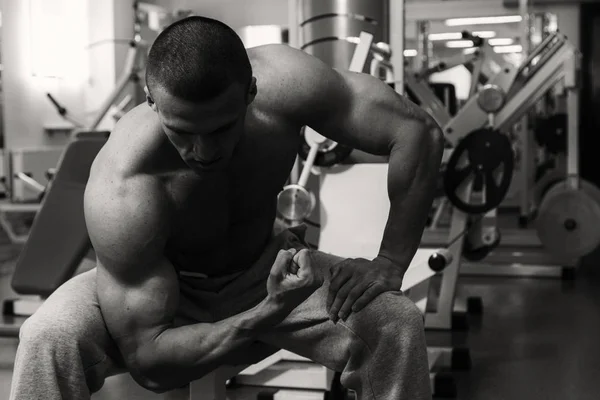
199	81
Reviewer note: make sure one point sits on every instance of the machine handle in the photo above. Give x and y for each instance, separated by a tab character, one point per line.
32	183
61	110
308	164
439	260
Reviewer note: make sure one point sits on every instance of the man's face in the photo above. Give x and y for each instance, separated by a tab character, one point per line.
205	134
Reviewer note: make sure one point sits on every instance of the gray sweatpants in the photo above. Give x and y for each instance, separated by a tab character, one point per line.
65	351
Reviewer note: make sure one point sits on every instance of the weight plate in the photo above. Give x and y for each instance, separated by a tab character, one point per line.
484	158
330	153
568	220
295	203
491	98
590	189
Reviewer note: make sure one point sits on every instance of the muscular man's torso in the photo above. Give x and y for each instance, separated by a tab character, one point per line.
219	223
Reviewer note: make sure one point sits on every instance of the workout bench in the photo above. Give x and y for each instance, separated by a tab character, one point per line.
58	239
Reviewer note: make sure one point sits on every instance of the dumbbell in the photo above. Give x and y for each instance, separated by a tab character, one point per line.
295	203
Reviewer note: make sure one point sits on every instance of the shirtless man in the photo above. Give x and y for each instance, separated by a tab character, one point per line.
180	208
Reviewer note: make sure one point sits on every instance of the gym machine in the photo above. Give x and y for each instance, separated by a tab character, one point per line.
566	216
516	90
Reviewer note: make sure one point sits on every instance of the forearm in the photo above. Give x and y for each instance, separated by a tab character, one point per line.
413	172
180	355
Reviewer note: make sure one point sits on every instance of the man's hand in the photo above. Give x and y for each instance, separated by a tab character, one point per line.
292	279
356	282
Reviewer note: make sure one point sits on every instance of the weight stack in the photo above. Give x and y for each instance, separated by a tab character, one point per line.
329	29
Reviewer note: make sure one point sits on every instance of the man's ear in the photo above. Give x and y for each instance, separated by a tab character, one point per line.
252	91
149	99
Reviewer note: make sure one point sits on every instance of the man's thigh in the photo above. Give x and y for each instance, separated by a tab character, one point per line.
309	332
71	318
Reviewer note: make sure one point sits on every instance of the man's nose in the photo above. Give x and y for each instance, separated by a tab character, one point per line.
205	149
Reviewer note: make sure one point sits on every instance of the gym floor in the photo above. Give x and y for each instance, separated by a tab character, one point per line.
537	339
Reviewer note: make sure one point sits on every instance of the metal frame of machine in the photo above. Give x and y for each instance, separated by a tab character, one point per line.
521	252
555	60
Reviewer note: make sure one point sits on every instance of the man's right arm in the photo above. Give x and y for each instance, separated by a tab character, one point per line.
138	291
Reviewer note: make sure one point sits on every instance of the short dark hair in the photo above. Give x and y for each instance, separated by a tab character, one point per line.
196	59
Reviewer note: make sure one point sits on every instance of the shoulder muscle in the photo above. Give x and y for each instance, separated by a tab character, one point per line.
299	86
128	223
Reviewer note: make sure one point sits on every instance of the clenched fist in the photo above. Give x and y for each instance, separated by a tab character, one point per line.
292	279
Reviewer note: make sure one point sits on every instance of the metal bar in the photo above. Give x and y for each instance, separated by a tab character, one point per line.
517	238
476	75
423	43
441	10
398	17
508	255
361	52
293	23
294	41
435	221
429	101
527	167
525	32
514	270
308	164
30	182
526	181
128	70
548	75
539	49
573	122
442	317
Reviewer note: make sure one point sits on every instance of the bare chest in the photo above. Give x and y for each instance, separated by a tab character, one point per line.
223	222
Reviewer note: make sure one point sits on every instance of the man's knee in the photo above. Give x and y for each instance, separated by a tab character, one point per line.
390	313
41	330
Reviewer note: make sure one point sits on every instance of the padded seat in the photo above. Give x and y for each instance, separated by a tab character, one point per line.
58	238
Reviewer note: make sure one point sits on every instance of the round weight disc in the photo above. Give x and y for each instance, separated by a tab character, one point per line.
491	98
484	157
590	189
295	203
330	153
568	221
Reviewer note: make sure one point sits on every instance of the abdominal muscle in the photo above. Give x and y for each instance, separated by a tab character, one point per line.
231	277
200	254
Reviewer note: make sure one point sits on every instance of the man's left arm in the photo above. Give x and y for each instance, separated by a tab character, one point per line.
378	120
360	111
